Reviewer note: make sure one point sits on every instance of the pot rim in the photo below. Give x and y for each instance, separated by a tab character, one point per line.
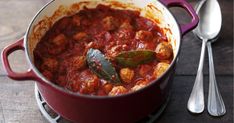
68	92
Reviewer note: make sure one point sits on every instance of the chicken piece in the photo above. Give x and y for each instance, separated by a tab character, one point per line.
50	64
139	85
85	22
107	88
126	75
78	62
80	36
125	35
144	35
84	82
142	82
89	82
145	69
59	40
126	25
166	61
160	69
76	20
103	37
89	87
57	45
55	50
110	23
164	51
118	90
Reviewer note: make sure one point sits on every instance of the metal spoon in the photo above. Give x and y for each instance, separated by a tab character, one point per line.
209	27
196	100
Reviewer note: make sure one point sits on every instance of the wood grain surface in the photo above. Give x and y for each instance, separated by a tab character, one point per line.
17	100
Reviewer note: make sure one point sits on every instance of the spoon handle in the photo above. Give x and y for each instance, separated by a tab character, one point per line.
216	106
196	99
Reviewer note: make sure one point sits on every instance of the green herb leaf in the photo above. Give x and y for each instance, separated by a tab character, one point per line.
102	67
134	58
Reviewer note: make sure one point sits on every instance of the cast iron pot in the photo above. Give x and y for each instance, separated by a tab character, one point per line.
79	108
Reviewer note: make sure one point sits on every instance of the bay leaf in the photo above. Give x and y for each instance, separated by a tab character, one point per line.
134	58
102	67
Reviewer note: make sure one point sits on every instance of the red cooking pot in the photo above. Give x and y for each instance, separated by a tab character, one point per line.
80	108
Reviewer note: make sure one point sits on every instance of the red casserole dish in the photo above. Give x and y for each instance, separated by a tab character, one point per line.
126	108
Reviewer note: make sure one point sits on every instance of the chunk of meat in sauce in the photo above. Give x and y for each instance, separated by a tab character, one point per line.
164	51
80	36
126	75
59	40
107	88
139	85
50	64
143	24
103	37
76	20
85	82
110	23
52	50
118	90
58	44
78	62
100	41
124	35
145	69
144	35
160	69
126	25
89	82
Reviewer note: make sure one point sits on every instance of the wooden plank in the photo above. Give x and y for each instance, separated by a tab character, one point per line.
18	102
177	111
2	119
15	17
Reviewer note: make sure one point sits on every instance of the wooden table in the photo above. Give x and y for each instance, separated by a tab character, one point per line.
17	100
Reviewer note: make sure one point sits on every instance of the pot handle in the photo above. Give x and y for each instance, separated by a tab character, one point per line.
182	3
29	75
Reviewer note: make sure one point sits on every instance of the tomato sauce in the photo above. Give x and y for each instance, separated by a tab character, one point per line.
61	53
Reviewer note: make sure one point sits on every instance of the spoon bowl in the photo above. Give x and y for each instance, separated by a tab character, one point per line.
210	16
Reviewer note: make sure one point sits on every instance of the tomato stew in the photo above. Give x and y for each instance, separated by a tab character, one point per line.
103	51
